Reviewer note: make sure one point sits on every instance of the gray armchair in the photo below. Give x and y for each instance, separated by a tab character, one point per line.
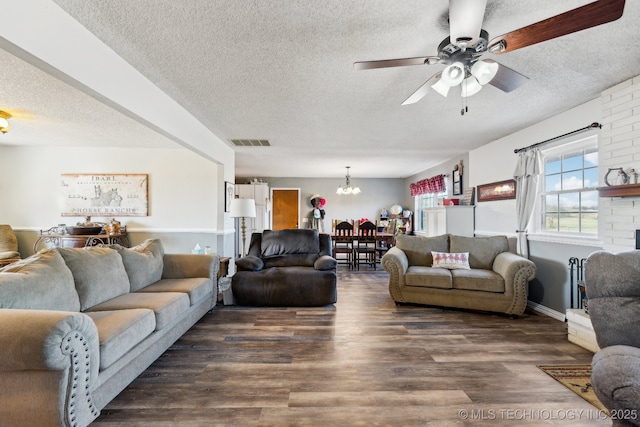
613	289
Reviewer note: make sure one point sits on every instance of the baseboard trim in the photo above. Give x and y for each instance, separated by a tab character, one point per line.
539	308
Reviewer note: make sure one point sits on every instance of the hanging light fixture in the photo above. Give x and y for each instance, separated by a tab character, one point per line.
347	189
471	78
4	121
451	76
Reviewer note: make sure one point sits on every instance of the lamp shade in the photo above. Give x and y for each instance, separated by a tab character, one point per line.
243	208
453	74
484	71
470	86
441	87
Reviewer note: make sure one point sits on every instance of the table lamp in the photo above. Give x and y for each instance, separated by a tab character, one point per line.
243	208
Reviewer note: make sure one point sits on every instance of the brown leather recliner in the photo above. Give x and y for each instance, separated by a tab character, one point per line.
286	268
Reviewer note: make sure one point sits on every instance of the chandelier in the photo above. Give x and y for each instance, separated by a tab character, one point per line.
347	189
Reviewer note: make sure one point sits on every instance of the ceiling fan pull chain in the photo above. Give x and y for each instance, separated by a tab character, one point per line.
465	107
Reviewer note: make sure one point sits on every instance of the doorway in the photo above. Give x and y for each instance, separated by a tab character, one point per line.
285	208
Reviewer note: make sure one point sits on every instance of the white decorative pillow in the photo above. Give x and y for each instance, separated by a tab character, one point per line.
451	260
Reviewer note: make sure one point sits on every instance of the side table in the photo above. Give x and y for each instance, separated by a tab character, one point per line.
224	283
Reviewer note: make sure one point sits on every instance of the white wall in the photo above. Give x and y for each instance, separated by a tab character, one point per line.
376	194
496	161
185	191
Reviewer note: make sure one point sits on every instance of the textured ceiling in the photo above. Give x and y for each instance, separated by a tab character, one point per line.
283	71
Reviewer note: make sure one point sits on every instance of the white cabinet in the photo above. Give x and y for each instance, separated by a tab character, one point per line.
259	192
458	220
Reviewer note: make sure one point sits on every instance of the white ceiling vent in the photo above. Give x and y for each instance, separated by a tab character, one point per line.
251	142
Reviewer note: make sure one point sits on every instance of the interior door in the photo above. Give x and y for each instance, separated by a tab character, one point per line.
285	208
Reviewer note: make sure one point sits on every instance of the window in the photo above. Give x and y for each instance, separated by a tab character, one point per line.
422	203
569	195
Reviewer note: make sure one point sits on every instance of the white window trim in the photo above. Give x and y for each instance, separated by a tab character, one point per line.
535	230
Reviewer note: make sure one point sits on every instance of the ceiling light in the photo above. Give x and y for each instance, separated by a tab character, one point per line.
347	189
4	121
453	75
484	71
470	86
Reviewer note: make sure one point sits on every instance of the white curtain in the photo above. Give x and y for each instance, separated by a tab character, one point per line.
526	175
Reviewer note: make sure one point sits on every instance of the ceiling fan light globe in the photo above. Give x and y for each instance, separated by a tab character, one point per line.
470	86
484	71
453	75
441	87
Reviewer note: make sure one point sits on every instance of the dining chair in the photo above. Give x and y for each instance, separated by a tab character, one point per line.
343	243
365	251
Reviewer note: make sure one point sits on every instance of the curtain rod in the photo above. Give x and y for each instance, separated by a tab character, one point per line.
591	126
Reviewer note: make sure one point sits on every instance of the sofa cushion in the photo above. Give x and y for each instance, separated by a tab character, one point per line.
290	241
41	282
428	277
477	280
197	287
167	306
143	263
98	274
482	250
418	248
121	330
452	261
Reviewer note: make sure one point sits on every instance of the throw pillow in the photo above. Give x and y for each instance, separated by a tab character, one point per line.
41	282
451	261
143	263
98	274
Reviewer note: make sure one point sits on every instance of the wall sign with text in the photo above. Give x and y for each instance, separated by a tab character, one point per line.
104	195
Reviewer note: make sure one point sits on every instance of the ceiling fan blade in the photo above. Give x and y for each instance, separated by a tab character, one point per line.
386	63
507	79
591	15
465	20
422	90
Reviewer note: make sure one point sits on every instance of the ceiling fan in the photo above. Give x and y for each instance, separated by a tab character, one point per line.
461	52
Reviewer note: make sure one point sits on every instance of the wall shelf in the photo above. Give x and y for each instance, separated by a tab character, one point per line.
626	190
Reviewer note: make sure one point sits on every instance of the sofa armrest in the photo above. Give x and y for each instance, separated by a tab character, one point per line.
181	266
396	263
325	262
516	271
249	263
52	357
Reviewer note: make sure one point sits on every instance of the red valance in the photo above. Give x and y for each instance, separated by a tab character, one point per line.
435	185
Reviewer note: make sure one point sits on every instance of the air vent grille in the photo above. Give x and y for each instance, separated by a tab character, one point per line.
251	142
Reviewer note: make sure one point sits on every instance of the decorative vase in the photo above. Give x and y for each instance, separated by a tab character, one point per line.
620	179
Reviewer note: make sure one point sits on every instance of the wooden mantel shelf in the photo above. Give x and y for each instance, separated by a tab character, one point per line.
627	190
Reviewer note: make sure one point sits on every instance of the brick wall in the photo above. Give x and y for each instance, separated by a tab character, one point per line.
620	147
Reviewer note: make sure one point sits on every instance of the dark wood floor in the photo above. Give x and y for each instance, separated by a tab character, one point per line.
364	362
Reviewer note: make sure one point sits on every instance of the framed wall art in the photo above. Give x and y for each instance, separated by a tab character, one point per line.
104	194
500	190
229	194
457	183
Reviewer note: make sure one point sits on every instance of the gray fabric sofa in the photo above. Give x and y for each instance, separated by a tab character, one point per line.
612	283
78	325
495	279
286	268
